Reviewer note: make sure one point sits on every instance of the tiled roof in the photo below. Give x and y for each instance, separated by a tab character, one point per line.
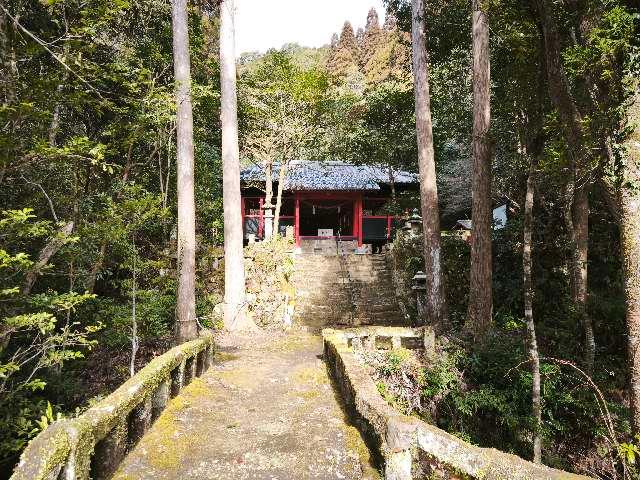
329	175
466	224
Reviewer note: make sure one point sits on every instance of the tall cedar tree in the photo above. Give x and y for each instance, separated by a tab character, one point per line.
479	316
186	327
234	277
373	35
577	188
534	356
630	231
435	300
345	56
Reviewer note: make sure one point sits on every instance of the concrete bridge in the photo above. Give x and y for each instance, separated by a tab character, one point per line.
263	409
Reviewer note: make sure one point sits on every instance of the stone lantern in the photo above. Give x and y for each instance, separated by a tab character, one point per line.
415	223
406	228
419	286
268	221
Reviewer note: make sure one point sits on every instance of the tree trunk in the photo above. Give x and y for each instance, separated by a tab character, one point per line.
54	126
284	166
234	317
392	184
96	268
268	172
577	210
7	54
536	401
630	241
581	256
186	326
480	311
50	249
435	305
268	199
135	340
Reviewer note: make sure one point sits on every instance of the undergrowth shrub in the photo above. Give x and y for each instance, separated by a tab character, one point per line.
482	392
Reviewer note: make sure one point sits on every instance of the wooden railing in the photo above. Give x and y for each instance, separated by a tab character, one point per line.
93	444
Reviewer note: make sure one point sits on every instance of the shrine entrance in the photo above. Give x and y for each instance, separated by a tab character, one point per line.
326	218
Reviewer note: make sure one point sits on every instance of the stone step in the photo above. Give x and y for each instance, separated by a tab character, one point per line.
359	291
359	260
348	321
345	290
319	309
356	294
377	302
314	308
364	288
381	284
354	256
342	277
373	285
338	266
319	259
328	271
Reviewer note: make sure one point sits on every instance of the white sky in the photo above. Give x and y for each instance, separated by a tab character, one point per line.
264	24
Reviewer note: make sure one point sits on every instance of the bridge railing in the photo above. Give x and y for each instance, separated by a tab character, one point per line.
93	444
409	447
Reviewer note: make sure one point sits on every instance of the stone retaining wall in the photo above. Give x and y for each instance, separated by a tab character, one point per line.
411	448
93	444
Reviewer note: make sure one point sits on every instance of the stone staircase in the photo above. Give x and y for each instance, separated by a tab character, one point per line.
344	290
326	246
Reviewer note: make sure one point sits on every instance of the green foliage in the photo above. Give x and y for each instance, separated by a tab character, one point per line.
408	259
482	393
95	147
280	108
394	361
37	334
155	311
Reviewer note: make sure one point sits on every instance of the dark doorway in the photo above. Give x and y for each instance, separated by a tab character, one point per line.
334	215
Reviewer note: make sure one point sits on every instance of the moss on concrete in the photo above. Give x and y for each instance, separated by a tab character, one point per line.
46	454
309	394
311	375
50	451
168	426
292	343
221	357
354	443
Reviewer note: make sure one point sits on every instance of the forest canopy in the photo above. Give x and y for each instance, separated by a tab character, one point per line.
89	215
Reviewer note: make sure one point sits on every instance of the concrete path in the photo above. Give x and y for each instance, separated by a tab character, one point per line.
265	410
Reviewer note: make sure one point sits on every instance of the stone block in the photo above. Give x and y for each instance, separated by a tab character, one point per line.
139	421
401	433
109	452
159	399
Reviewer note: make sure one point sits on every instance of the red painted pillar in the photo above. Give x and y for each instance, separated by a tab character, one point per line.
297	221
359	218
261	220
354	229
242	202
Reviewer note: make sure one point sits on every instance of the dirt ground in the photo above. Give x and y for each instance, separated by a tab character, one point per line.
265	410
